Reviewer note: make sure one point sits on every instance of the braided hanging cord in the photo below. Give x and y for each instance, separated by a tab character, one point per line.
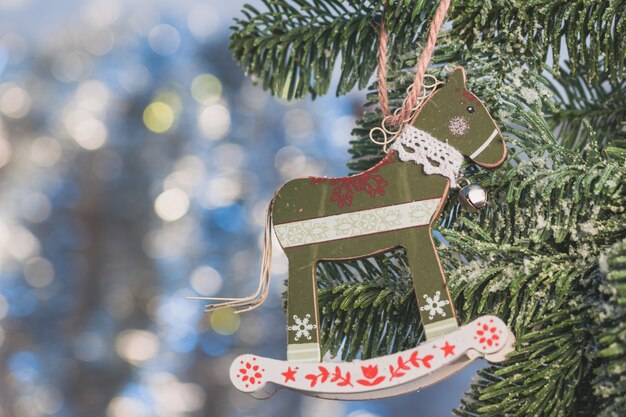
415	96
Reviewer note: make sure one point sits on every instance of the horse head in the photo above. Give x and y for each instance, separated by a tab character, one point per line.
456	116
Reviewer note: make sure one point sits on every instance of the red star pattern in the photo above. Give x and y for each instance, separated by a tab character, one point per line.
448	349
290	375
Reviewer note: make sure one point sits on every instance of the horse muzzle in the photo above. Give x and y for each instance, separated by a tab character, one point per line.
492	152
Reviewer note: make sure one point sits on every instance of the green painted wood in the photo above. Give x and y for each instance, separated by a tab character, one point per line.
452	114
453	102
428	278
391	182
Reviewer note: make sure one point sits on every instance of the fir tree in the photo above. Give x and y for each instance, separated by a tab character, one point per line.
549	253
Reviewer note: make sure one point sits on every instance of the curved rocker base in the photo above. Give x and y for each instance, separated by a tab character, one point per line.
387	376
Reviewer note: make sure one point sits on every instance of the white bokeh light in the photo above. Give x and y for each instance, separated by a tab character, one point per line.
23	243
127	407
172	397
101	13
48	399
214	121
93	96
206	281
290	161
341	132
298	125
90	134
171	204
202	21
14	101
45	151
136	346
6	151
35	207
164	39
222	191
38	272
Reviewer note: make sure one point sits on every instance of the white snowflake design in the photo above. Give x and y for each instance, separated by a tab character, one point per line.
348	225
304	233
302	327
434	305
458	126
423	212
383	219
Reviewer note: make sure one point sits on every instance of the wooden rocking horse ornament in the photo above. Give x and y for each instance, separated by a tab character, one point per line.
393	204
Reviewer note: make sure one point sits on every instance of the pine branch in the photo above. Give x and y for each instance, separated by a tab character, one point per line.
534	261
544	200
540	378
610	382
546	292
594	31
585	108
295	46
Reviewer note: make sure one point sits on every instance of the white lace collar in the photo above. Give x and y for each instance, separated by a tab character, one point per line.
435	156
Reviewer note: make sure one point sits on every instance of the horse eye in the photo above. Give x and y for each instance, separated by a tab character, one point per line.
471	109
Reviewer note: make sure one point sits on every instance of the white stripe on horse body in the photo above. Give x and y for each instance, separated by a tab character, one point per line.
356	223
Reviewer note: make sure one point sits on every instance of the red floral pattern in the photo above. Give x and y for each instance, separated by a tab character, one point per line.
371	373
370	182
341	380
403	365
400	371
337	377
250	373
487	334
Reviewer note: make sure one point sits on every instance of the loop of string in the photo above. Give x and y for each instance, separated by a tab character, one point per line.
389	133
418	91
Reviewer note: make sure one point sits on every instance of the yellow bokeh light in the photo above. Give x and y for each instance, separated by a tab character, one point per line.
159	117
171	99
206	89
225	321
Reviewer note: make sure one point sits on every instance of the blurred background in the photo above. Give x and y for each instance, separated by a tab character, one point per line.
136	162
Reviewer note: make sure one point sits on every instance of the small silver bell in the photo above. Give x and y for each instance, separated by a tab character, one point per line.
472	197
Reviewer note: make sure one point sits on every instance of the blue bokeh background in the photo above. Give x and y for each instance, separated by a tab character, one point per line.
136	162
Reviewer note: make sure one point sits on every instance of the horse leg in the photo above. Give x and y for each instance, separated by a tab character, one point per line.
433	298
302	313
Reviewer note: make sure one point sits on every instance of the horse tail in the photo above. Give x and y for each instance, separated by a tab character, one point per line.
252	301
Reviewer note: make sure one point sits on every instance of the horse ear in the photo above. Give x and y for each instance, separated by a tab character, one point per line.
457	78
